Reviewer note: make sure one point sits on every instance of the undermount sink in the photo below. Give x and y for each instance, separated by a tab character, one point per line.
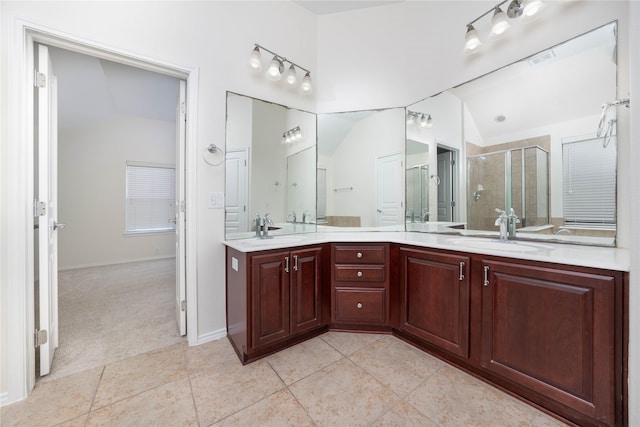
273	240
498	245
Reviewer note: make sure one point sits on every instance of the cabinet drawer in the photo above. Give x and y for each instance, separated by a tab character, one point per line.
368	254
360	305
360	273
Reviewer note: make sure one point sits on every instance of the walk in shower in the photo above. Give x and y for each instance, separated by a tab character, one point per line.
418	193
515	178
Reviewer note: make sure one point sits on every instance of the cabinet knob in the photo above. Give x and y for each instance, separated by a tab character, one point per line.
359	254
359	273
359	305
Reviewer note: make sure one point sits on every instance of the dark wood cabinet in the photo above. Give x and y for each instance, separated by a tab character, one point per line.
360	286
434	298
273	299
552	332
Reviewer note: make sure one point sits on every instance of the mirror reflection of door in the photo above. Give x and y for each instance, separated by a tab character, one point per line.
236	218
389	194
445	180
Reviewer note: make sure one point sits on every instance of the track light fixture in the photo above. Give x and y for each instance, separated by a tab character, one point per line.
420	119
276	68
526	10
292	135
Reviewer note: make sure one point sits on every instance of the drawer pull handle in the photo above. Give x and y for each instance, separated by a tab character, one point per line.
295	262
286	264
359	273
486	275
359	254
359	305
461	271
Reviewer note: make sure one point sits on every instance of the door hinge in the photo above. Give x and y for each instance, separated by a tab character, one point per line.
183	305
453	204
39	79
39	208
182	206
40	337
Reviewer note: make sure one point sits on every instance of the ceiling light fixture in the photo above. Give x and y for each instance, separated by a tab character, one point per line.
526	10
276	68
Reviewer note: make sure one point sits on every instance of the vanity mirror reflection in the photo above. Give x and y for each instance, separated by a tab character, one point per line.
270	167
527	139
360	170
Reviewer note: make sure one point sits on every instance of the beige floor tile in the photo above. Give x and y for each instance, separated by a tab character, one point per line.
168	405
302	360
76	422
349	342
54	402
404	415
453	398
343	394
218	354
396	364
279	409
137	374
220	393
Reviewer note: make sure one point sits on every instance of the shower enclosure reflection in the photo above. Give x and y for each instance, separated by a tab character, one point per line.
417	182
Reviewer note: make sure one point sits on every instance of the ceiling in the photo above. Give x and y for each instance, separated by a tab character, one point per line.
325	7
92	90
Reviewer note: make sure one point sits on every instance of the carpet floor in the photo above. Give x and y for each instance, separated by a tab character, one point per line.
113	312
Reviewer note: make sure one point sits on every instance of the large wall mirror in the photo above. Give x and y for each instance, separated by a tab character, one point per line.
523	137
270	167
360	170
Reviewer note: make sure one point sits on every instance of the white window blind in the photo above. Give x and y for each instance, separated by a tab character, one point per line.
150	197
589	183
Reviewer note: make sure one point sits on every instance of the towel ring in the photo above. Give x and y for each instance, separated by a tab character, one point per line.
211	153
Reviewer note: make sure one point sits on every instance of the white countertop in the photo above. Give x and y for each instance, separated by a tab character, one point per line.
586	256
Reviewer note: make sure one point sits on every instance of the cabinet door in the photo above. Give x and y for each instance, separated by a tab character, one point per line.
551	331
434	295
269	298
305	289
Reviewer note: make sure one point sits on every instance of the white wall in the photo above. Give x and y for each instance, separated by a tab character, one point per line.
92	184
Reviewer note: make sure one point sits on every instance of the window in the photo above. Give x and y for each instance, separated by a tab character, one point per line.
150	199
589	183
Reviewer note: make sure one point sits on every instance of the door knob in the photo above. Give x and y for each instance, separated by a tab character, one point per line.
59	225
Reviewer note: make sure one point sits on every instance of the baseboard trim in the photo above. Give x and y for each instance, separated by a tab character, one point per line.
116	262
4	399
212	336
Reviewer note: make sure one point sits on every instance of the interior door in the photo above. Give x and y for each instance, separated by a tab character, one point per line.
445	186
46	208
236	215
389	191
181	286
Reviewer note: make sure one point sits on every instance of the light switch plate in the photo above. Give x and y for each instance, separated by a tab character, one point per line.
216	200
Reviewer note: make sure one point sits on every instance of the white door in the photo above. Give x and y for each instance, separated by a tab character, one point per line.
236	170
181	282
389	191
46	208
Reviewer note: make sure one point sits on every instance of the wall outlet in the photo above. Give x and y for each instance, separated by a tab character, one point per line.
216	200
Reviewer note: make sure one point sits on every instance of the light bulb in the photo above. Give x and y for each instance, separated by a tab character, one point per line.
288	139
423	121
471	40
429	121
499	24
298	134
275	69
291	75
531	10
410	119
255	61
306	82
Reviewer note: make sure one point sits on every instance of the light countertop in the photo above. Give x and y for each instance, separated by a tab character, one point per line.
579	255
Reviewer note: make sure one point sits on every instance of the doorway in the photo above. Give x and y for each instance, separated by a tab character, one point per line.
122	119
447	184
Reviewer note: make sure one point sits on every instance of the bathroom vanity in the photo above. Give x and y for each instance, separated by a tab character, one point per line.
546	324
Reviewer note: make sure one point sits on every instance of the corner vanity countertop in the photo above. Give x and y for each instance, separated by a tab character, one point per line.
585	256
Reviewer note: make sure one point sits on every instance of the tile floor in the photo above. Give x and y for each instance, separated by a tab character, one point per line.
336	379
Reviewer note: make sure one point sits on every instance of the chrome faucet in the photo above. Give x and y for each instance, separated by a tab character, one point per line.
266	223
305	216
512	220
258	222
502	221
292	215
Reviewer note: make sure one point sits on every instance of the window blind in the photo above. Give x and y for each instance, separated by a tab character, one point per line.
150	198
589	183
